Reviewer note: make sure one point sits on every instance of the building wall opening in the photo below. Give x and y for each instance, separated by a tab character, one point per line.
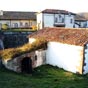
26	65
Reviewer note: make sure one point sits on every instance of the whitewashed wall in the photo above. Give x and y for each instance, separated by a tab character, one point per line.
87	23
41	57
39	20
48	20
64	56
31	40
68	21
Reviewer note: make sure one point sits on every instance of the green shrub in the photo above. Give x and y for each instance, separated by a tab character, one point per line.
4	26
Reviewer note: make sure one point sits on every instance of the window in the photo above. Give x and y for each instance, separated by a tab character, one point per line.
85	25
59	16
31	23
56	19
26	24
73	26
16	25
69	14
35	57
21	24
62	20
71	20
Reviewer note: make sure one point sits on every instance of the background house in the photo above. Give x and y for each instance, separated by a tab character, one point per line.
45	18
55	18
16	19
85	14
80	21
66	48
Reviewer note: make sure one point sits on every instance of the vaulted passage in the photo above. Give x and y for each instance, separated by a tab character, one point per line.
26	65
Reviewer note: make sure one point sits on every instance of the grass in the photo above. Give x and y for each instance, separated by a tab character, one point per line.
43	77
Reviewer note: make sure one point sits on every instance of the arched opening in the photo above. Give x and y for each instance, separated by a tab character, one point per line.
26	65
16	25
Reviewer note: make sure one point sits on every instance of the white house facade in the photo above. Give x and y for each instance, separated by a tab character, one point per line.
55	18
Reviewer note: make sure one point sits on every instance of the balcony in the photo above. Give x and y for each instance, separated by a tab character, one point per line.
59	24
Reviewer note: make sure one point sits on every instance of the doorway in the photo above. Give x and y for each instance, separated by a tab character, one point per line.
26	65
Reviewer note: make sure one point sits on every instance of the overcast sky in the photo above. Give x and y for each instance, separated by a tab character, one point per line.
38	5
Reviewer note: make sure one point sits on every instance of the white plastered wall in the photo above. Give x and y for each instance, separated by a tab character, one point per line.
39	20
31	40
48	20
68	23
41	58
64	56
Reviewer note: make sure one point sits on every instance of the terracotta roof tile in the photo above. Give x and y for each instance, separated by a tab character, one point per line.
63	35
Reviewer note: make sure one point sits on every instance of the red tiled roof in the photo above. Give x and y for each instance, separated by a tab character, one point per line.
63	35
56	11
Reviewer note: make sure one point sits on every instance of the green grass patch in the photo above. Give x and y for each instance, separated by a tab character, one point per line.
43	77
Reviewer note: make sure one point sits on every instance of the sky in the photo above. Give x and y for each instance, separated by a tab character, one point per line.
75	6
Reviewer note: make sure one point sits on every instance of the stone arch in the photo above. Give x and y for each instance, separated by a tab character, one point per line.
26	65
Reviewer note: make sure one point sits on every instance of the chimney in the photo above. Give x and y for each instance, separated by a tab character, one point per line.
1	12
